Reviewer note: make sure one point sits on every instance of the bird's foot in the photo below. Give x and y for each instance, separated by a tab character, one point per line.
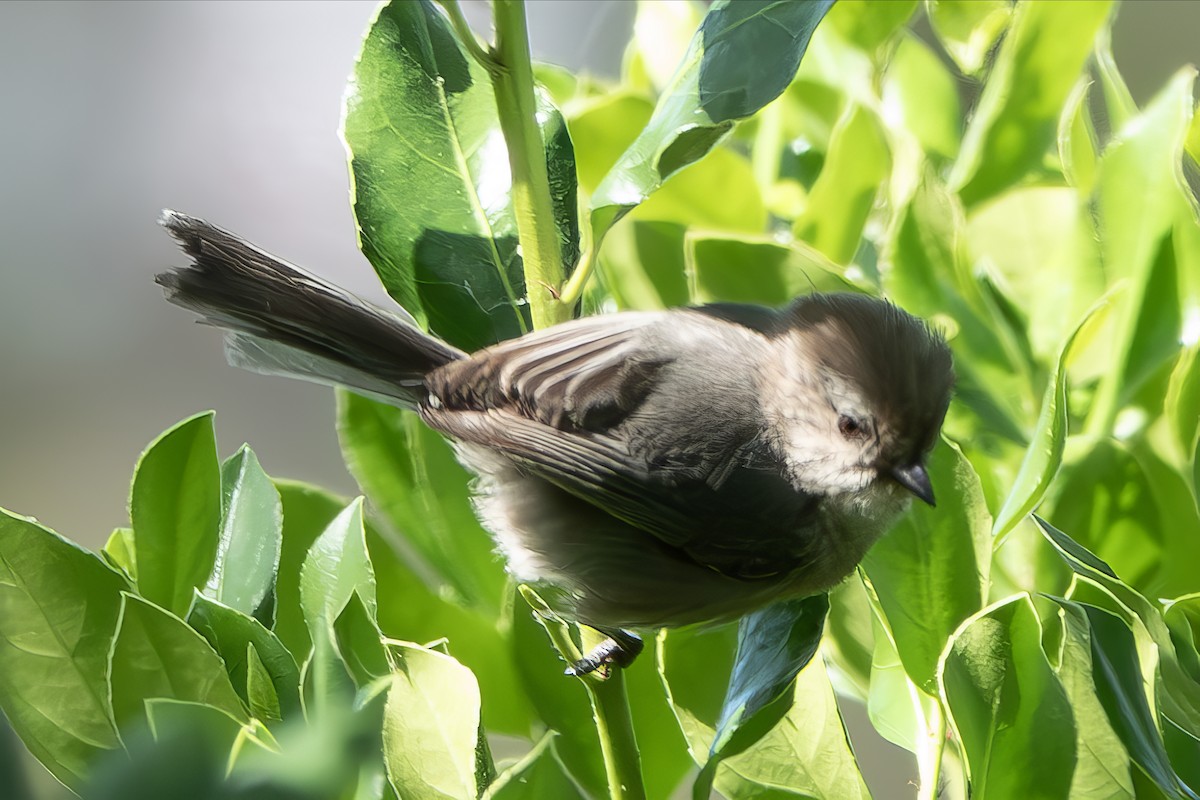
619	649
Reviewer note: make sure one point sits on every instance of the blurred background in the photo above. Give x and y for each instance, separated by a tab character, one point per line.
227	111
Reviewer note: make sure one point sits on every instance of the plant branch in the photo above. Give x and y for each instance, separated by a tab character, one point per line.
516	105
933	745
622	761
466	36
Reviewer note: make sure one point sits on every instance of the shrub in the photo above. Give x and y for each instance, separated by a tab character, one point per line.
249	637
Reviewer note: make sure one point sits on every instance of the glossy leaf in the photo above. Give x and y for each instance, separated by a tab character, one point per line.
251	535
1010	710
410	473
806	749
431	727
261	695
1102	763
232	634
307	511
175	506
931	571
421	123
774	644
1016	120
968	28
1119	686
338	566
742	57
156	655
1182	404
360	643
1044	455
59	608
1078	143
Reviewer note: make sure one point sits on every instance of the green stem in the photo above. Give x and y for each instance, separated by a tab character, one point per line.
466	36
622	762
512	80
930	751
610	708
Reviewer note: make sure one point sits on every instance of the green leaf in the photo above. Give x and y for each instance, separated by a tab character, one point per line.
744	55
1045	451
774	644
338	566
870	25
175	506
421	124
119	552
757	270
1104	498
231	634
1024	234
931	571
1118	677
923	95
1141	195
539	775
1012	715
1102	762
968	28
410	473
261	696
805	751
856	165
59	607
156	655
1182	405
360	642
644	266
1078	143
251	535
1016	119
307	511
1179	695
431	727
1182	616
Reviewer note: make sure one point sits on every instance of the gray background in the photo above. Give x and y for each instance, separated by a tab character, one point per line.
228	111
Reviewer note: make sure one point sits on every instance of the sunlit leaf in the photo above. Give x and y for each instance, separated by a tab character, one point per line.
251	535
1016	119
844	193
1044	455
741	58
410	473
59	608
431	727
231	634
175	506
156	655
1010	710
757	270
421	123
968	28
931	571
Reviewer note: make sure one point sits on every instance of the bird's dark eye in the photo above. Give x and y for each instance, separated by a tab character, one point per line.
850	427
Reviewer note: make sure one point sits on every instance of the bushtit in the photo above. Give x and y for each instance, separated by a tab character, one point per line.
640	469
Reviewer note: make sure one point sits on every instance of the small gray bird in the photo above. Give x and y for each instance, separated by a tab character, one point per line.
640	469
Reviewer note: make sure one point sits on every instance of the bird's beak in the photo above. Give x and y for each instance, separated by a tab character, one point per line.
916	480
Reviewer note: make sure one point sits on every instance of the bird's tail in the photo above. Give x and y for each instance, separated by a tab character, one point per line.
280	320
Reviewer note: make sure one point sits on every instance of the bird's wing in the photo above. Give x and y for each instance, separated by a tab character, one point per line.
557	404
